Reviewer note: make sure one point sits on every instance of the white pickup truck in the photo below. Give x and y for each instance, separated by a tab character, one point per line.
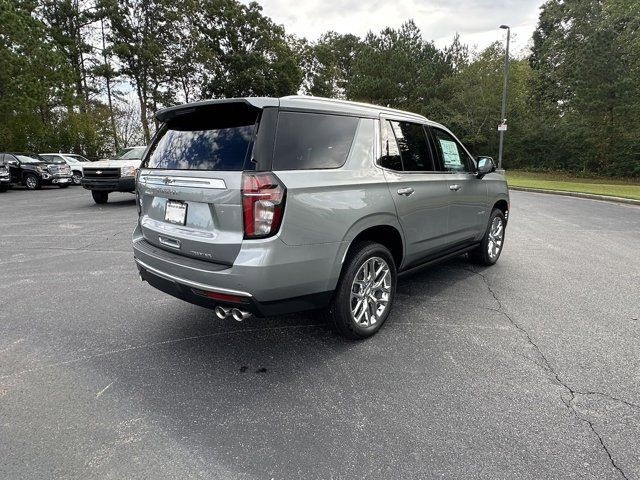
112	175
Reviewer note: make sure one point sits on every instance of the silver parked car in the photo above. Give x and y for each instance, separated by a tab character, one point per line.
267	206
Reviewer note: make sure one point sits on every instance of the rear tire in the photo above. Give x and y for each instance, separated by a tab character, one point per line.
490	248
63	185
31	181
77	176
4	188
100	197
363	298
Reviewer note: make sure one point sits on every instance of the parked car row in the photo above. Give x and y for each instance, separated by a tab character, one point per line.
63	169
33	171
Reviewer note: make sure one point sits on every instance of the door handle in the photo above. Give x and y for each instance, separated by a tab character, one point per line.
405	191
454	188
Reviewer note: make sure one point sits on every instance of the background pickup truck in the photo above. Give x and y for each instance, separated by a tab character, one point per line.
115	175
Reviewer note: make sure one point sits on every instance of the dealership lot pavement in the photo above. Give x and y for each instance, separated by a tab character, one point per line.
528	369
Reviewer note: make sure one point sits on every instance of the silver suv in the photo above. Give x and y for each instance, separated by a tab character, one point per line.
267	206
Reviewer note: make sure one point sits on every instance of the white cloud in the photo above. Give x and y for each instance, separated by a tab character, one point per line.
476	21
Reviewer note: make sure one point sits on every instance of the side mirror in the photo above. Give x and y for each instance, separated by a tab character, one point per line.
485	166
13	163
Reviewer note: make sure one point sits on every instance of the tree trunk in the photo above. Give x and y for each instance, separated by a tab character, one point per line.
108	80
142	98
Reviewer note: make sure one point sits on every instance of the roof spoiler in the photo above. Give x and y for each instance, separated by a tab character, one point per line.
170	113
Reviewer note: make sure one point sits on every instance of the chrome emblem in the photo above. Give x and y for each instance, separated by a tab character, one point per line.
98	172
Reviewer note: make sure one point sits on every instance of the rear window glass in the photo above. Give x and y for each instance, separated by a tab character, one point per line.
211	149
306	141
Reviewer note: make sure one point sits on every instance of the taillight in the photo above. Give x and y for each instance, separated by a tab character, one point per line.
262	204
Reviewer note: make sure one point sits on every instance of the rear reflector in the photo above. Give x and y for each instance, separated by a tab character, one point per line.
262	204
223	297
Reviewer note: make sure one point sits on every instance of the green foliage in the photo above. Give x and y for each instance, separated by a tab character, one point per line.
69	69
586	65
330	64
246	54
398	68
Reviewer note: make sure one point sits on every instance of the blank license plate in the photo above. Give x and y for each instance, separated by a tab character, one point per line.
176	212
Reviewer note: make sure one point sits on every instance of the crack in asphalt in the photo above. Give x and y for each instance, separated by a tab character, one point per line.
546	365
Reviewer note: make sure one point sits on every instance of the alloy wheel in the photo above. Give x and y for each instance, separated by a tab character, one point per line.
370	292
496	237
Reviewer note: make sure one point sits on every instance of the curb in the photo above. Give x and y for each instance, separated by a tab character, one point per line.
590	196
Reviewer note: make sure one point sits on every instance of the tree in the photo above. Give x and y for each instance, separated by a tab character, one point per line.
584	63
330	69
33	80
140	32
398	68
66	21
244	53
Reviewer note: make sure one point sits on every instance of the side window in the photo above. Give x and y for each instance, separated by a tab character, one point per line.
413	146
390	153
454	158
306	141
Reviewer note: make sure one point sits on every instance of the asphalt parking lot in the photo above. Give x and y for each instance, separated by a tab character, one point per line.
528	369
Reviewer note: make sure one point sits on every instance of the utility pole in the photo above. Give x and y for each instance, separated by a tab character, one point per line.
503	120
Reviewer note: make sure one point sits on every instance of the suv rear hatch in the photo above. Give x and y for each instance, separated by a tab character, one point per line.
190	183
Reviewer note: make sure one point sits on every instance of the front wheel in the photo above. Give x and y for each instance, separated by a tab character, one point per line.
100	197
32	182
490	248
63	185
3	188
365	292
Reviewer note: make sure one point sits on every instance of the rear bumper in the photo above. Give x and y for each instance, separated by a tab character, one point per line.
124	184
189	294
269	277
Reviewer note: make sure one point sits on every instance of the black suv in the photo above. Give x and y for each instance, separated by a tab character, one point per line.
32	171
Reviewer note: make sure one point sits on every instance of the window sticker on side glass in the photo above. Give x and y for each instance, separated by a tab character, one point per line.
450	153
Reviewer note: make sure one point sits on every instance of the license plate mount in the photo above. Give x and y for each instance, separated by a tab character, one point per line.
175	212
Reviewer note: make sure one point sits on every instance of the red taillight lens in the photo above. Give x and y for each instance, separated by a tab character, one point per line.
262	204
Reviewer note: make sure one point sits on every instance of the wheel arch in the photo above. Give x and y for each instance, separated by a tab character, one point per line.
384	229
386	235
503	206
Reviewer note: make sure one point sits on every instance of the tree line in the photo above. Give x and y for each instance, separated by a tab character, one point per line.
87	76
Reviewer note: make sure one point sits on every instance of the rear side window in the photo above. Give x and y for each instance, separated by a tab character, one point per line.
307	141
390	153
413	146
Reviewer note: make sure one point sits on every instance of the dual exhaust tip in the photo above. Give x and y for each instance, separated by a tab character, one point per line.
235	313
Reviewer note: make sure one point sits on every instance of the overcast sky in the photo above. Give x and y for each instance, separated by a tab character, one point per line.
476	21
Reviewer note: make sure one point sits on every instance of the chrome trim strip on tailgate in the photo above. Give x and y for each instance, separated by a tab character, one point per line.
168	180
